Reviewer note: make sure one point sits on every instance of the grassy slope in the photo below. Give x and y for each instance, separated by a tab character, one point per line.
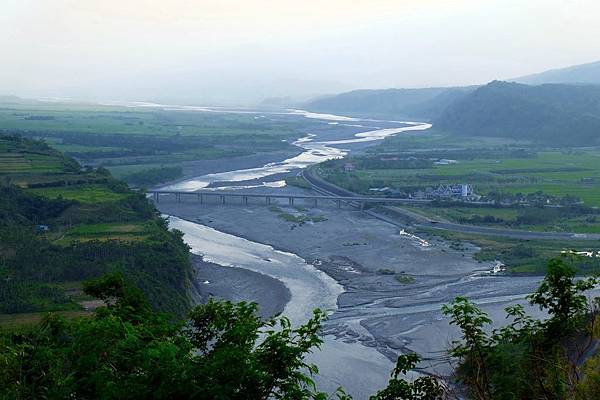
93	214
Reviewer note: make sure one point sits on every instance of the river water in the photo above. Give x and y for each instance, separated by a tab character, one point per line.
314	152
309	287
360	369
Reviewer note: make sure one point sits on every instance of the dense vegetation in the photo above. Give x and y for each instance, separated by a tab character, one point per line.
224	351
554	358
126	351
564	109
60	225
552	114
153	176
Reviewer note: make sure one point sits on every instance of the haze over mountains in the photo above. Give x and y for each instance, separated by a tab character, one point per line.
550	113
578	74
559	106
419	103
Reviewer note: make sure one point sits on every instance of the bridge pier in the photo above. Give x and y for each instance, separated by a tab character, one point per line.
358	202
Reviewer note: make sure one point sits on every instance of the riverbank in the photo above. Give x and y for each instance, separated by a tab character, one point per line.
394	285
238	284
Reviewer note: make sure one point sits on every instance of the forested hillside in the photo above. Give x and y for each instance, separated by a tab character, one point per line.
60	225
390	103
551	114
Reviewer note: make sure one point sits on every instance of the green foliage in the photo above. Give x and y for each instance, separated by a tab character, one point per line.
405	279
529	358
93	228
541	113
299	219
119	297
223	352
297	181
125	139
127	351
422	388
153	176
563	298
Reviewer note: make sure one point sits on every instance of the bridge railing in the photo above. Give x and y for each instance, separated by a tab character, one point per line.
352	200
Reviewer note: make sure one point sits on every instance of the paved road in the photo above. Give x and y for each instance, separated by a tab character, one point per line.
421	221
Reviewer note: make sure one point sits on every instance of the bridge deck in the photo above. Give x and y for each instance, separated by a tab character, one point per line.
362	199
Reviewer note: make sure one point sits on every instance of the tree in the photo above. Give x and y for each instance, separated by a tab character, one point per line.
422	388
563	297
127	351
529	358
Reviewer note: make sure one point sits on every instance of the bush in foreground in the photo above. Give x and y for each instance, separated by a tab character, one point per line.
126	351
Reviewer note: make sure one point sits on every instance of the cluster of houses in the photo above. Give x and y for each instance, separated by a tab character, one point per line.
463	191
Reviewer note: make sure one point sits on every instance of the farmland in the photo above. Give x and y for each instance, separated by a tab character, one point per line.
61	224
130	140
516	184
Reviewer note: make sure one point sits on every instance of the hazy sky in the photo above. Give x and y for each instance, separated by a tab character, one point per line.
199	51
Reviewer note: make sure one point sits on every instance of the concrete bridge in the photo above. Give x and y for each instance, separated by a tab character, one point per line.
224	197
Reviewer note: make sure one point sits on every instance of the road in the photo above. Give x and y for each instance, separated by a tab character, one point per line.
421	221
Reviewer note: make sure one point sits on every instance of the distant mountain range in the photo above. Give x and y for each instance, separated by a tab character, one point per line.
551	113
579	74
425	103
558	107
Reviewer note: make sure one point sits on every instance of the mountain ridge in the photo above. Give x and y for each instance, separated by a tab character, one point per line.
549	113
588	73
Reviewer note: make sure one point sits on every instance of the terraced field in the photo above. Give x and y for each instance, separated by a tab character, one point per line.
61	224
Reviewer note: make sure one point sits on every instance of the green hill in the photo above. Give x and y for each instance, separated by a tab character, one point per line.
390	103
550	114
60	225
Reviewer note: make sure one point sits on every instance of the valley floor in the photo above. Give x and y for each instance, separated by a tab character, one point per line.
394	284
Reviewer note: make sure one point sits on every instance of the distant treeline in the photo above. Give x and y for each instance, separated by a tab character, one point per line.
153	176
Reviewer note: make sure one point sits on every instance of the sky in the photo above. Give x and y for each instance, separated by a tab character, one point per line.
242	51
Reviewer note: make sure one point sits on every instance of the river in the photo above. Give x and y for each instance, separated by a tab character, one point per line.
375	317
314	152
309	287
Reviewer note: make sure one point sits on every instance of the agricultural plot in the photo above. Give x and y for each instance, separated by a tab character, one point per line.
571	176
61	224
119	138
129	232
81	193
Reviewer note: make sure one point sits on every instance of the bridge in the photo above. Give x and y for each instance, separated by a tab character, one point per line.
224	197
